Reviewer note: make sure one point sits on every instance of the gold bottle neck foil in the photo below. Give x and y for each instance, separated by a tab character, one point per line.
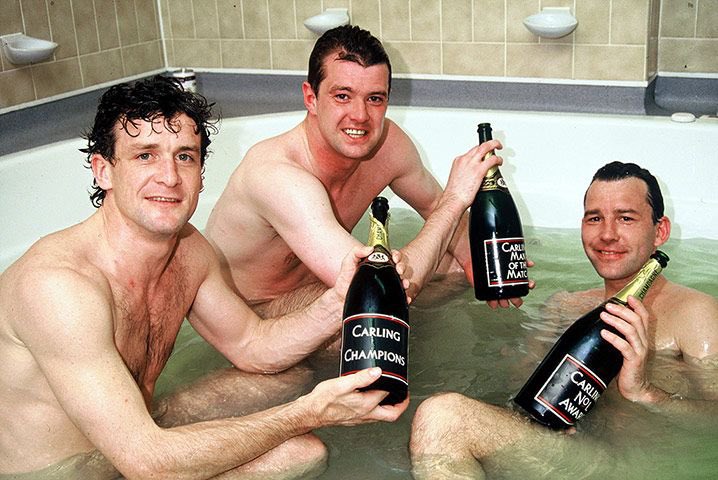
378	233
639	285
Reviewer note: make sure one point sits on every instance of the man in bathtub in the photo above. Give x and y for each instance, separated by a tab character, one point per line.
90	314
623	224
283	223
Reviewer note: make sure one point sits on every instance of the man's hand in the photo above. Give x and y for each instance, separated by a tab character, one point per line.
348	269
506	302
632	323
468	171
349	266
338	401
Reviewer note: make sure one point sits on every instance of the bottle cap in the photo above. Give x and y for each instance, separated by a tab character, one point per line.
484	131
380	209
661	257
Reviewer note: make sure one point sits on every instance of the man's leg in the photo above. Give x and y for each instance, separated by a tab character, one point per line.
299	457
304	456
229	392
451	433
454	436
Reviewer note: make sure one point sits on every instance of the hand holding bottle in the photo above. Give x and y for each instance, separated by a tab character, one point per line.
468	171
352	260
375	327
498	250
632	323
608	341
516	301
340	401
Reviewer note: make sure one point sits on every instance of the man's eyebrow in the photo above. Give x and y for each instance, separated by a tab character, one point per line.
144	146
340	87
596	211
194	148
152	146
334	88
626	210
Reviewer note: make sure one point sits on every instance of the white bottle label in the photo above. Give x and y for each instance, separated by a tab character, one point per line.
378	257
505	262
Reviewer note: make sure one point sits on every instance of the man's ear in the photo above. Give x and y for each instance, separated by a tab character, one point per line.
663	231
310	98
102	170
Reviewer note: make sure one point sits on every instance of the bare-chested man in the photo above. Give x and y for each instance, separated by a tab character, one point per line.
623	224
89	316
283	223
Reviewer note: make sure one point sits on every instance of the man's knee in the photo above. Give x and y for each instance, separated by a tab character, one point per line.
442	407
307	455
436	417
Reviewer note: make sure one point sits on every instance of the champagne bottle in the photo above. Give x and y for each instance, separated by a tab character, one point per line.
578	368
498	252
375	329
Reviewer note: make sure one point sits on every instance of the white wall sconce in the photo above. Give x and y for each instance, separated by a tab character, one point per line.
330	18
21	49
551	22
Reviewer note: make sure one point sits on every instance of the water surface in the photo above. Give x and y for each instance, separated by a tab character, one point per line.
459	344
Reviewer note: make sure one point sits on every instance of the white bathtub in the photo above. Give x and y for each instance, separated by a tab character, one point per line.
549	161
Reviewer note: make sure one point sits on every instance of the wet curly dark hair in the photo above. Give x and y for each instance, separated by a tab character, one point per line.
145	100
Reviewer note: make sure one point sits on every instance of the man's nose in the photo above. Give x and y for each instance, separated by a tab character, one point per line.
168	173
609	231
359	111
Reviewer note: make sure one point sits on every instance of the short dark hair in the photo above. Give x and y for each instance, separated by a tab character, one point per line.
145	100
615	171
352	44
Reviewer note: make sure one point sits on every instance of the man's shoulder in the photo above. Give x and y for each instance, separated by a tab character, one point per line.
691	318
681	301
396	137
273	159
52	274
285	146
194	248
59	256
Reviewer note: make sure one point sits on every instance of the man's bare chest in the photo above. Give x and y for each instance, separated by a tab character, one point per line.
146	327
351	201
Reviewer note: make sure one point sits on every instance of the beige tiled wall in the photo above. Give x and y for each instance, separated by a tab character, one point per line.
451	37
689	36
104	40
98	41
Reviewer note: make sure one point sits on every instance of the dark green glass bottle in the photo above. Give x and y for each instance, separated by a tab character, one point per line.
498	251
578	368
375	329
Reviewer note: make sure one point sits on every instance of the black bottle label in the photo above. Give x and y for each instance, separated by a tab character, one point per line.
374	339
571	391
505	261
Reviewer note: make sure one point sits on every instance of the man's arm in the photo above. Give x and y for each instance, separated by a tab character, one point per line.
269	345
633	381
301	212
71	336
443	211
